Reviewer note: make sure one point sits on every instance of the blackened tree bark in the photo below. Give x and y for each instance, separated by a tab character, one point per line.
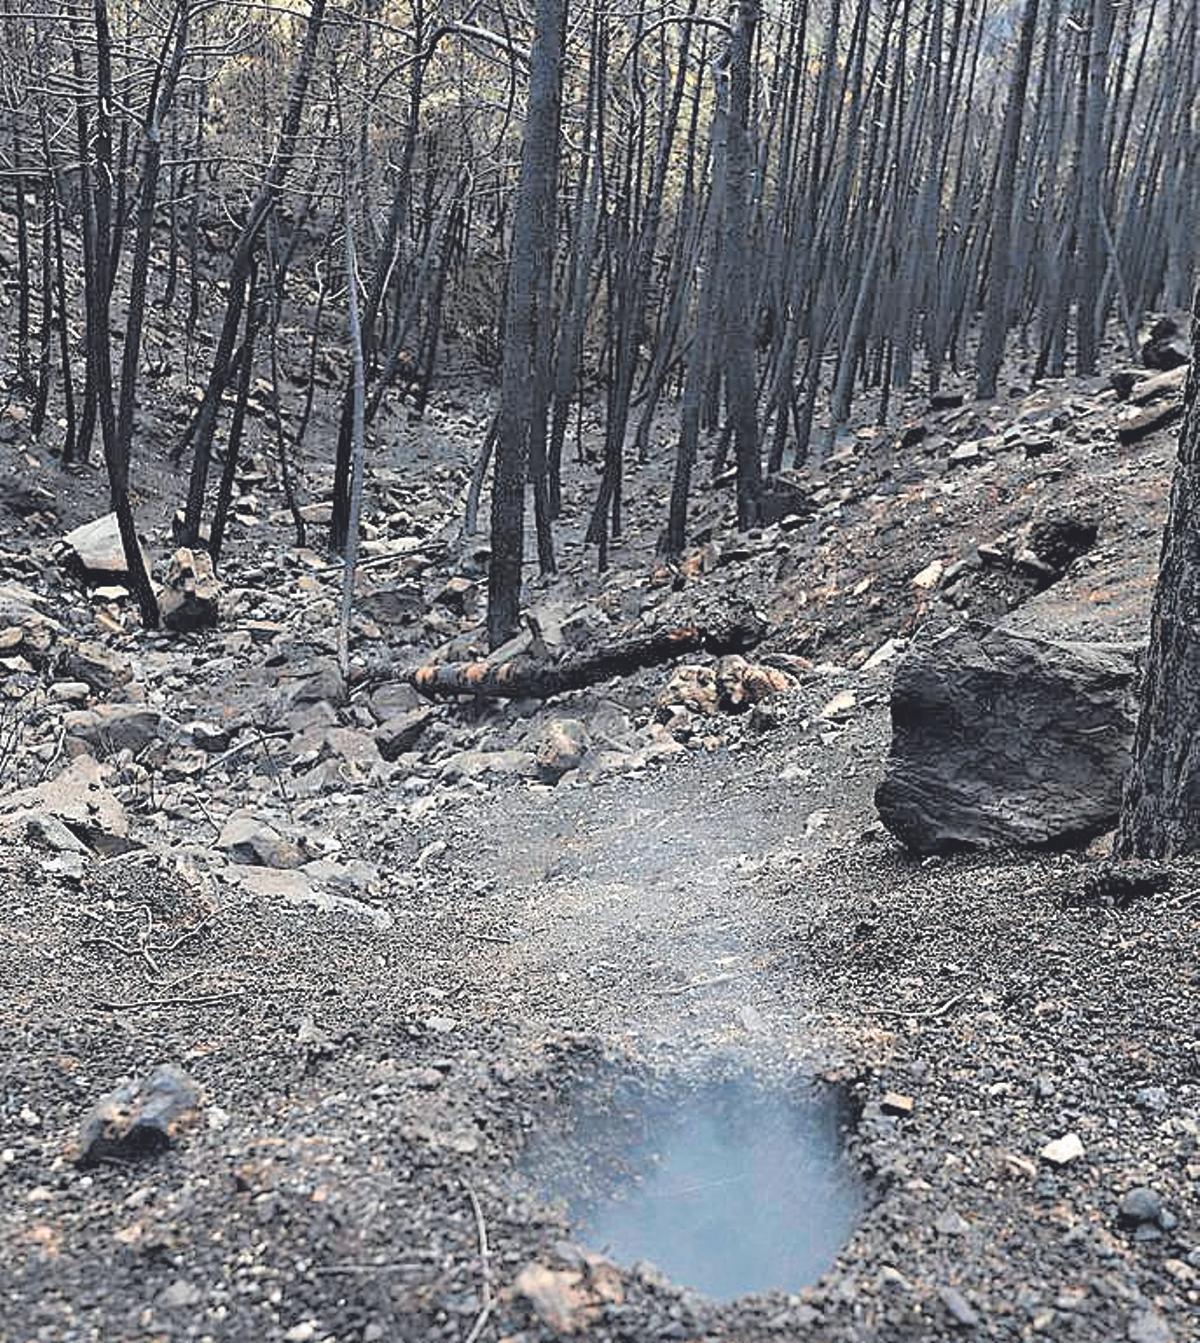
244	253
739	329
527	310
1089	241
98	291
995	320
1161	812
162	96
357	436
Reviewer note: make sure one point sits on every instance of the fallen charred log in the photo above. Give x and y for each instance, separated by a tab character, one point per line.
538	679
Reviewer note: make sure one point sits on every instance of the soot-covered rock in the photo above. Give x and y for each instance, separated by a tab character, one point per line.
1002	739
139	1119
1167	346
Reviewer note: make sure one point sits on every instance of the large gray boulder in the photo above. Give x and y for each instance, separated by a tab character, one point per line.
1003	739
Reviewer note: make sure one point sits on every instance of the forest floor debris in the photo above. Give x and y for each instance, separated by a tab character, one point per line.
483	902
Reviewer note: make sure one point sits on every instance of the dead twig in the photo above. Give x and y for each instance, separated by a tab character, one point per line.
188	933
241	748
144	946
274	772
931	1014
380	561
388	1266
487	1302
59	742
130	856
139	1004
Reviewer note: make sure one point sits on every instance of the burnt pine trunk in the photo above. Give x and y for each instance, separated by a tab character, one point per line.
996	314
1161	813
98	288
357	437
527	307
244	253
739	328
1089	242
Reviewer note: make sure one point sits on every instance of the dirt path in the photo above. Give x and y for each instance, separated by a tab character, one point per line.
653	910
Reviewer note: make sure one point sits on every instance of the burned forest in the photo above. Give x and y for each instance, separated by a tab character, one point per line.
599	671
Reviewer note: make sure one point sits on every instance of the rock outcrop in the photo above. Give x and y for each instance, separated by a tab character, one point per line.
1004	739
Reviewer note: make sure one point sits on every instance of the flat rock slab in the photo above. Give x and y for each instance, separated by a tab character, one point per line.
78	797
95	549
1001	739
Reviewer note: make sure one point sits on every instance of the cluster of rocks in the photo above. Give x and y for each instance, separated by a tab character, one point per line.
122	741
696	694
188	594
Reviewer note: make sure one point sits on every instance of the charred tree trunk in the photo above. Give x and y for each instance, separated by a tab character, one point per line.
739	327
739	630
245	251
527	311
995	321
1161	813
98	285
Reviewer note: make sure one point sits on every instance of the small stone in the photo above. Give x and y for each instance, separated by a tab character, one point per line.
70	692
248	840
561	747
743	684
398	604
1141	1206
423	1079
138	1119
209	736
304	1332
95	549
929	577
118	727
892	1280
964	453
694	687
1062	1151
395	698
459	595
961	1311
180	1295
95	665
481	764
1020	1165
840	706
350	745
1148	1326
51	833
886	652
400	733
1135	424
950	1223
894	1103
78	796
323	681
1153	1099
568	1301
